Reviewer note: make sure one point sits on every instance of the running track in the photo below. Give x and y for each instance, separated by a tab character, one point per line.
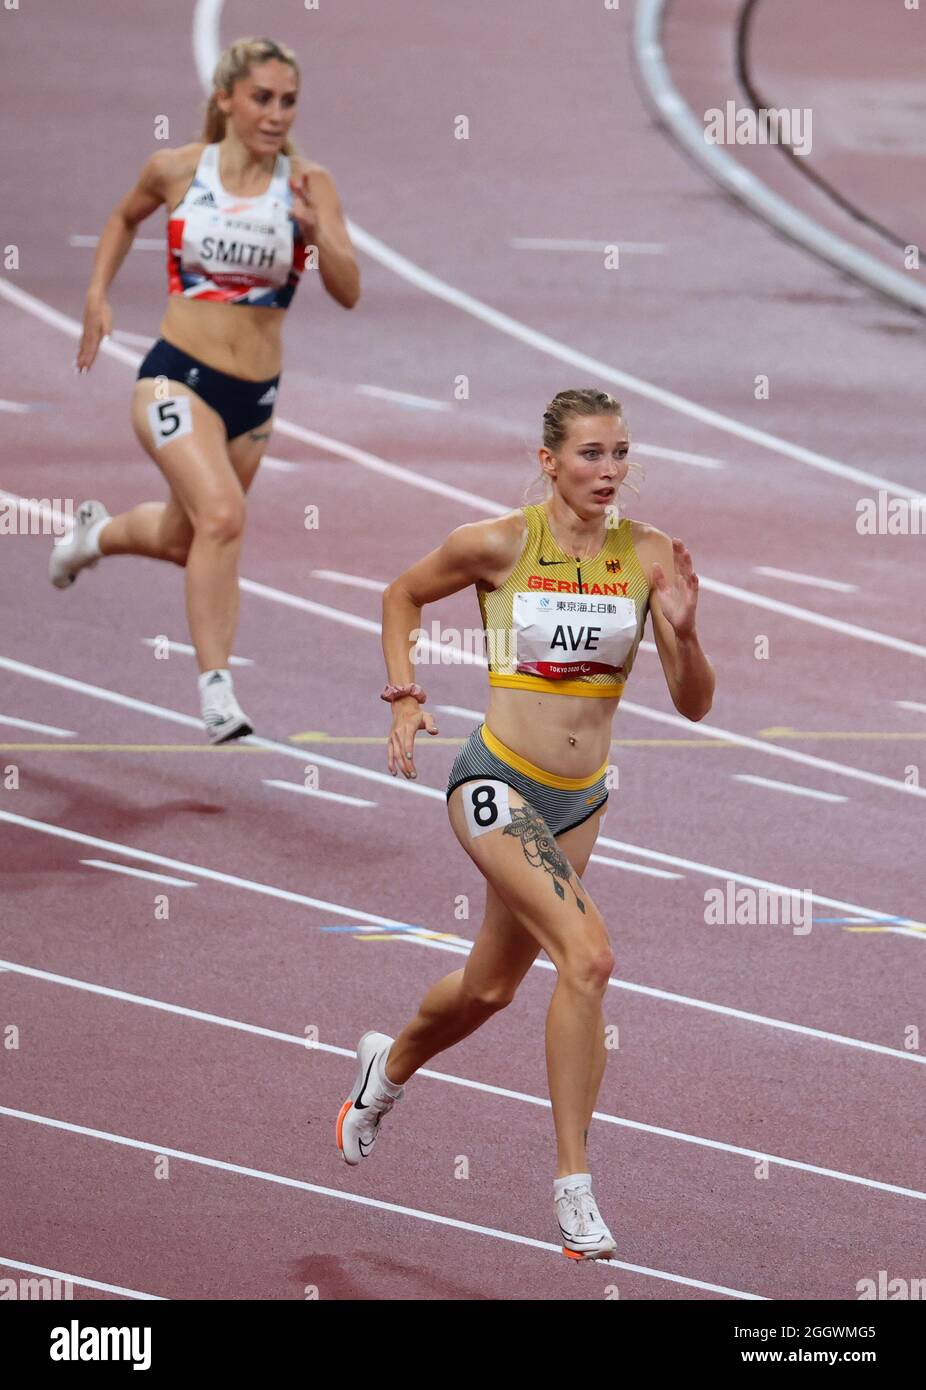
141	1038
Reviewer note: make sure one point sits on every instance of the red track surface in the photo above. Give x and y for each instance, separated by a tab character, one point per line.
560	146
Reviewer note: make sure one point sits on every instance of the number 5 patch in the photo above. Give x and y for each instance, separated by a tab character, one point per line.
486	806
170	419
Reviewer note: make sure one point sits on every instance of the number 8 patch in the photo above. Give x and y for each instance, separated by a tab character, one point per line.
486	806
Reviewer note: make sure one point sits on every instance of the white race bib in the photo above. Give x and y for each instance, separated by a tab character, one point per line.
562	636
238	249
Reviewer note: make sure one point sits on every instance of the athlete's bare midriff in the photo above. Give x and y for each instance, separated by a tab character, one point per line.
233	338
568	735
240	339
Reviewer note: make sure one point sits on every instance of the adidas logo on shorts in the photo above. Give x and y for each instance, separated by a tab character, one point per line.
269	396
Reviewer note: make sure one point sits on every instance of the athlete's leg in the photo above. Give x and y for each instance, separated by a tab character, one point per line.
462	1001
536	881
577	845
158	530
162	530
204	484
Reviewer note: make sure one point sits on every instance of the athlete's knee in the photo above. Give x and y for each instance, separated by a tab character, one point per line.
489	997
176	551
587	964
222	521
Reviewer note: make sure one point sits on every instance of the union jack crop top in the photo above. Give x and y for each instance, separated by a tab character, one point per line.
231	249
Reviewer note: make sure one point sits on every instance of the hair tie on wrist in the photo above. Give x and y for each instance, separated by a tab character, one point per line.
391	693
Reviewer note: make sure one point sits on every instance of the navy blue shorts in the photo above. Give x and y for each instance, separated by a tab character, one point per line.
243	405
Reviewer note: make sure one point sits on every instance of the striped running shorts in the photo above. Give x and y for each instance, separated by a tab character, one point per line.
564	802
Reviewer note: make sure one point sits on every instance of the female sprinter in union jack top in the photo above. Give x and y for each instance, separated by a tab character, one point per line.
243	210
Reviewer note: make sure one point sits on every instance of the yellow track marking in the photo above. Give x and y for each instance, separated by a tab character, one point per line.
128	748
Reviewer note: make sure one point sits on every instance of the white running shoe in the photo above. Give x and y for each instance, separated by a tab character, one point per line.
70	554
368	1102
222	715
585	1236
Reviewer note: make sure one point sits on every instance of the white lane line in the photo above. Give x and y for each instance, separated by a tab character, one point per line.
406	475
812	581
79	1280
403	398
36	728
276	465
735	876
407	270
552	347
16	407
915	705
326	444
633	248
141	243
486	1087
186	650
354	1199
232	880
315	791
635	868
807	615
774	750
288	750
742	184
138	873
656	451
786	787
460	945
139	340
358	582
417	787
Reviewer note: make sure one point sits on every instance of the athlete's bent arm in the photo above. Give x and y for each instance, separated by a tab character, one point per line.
673	602
318	210
115	241
469	554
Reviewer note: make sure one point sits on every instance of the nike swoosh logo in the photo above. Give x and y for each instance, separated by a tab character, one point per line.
553	562
369	1146
358	1104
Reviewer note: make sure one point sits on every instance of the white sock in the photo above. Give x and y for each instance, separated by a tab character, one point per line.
207	677
391	1088
571	1180
92	536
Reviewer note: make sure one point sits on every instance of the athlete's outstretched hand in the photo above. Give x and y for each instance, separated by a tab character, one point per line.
405	724
98	324
679	599
303	210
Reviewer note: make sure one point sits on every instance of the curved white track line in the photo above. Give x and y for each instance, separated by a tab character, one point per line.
206	48
743	185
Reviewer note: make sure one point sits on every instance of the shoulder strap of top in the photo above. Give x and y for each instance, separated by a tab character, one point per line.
534	514
279	184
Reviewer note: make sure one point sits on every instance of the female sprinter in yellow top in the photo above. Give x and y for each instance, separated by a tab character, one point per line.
564	597
242	212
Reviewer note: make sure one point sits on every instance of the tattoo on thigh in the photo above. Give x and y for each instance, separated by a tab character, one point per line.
260	434
541	849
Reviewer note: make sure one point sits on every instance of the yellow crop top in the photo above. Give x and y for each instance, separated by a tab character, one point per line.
566	626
